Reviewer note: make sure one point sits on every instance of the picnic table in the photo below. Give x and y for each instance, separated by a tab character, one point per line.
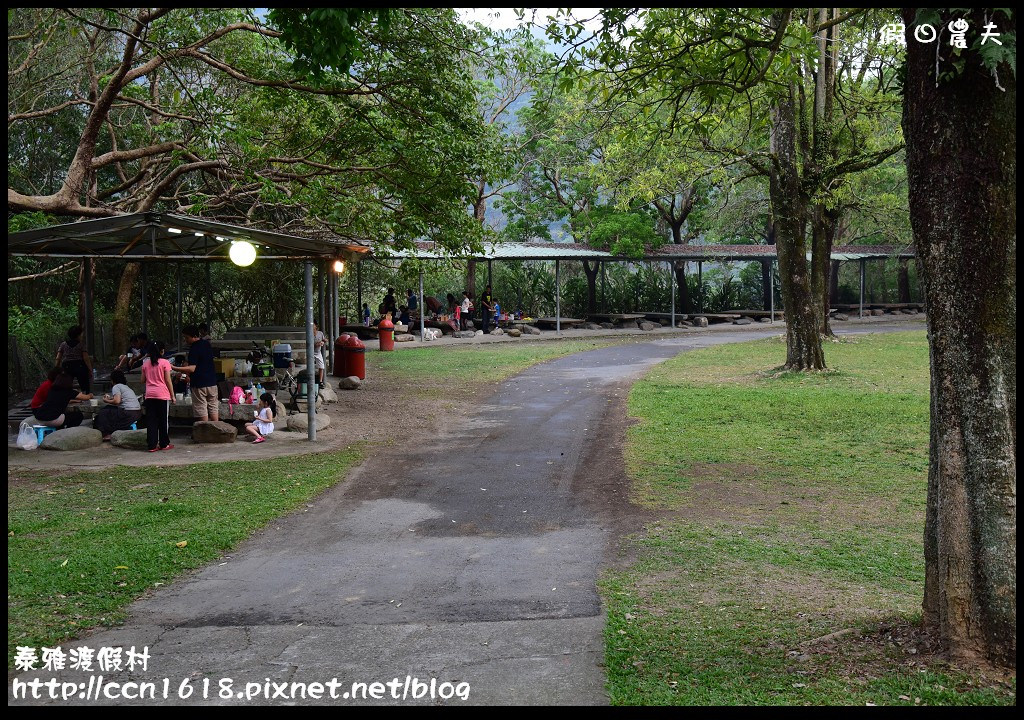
615	317
566	322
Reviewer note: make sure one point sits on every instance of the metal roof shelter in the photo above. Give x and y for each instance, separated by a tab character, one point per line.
666	253
145	237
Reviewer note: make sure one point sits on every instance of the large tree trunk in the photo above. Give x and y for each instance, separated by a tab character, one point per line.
591	269
903	281
803	341
122	305
685	301
961	169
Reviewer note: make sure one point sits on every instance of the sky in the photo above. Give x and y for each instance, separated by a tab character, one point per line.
505	18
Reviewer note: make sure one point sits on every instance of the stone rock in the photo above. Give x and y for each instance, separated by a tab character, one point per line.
76	438
877	313
532	330
300	422
514	332
470	325
497	331
646	325
327	393
912	311
401	328
349	383
591	326
404	337
743	321
684	324
209	431
842	317
764	320
608	325
479	333
700	322
908	312
129	439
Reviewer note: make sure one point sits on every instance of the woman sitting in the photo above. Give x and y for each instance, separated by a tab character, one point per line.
53	412
44	389
122	408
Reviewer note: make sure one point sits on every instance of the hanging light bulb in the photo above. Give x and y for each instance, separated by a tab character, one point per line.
339	266
242	253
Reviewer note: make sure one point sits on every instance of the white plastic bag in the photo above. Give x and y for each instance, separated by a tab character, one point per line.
27	436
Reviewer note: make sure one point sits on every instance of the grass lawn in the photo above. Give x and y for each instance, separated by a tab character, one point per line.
81	548
793	508
492	362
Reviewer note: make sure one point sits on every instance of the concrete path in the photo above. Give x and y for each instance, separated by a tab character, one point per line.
471	560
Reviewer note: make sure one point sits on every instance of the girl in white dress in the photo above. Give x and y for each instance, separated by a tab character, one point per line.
263	425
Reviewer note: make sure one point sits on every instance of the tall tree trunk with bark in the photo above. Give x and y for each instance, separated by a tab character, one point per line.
122	304
803	341
591	269
961	169
903	280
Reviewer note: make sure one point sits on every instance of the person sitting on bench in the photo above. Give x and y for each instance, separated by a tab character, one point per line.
53	412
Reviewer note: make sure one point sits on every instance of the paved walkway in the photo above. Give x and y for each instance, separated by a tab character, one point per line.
471	560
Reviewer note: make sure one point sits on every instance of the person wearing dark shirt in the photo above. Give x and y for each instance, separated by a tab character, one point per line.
390	305
73	358
205	404
487	305
53	412
412	300
44	389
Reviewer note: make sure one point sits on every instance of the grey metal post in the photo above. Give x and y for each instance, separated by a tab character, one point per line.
604	295
558	297
862	264
177	335
700	286
321	296
310	365
209	298
771	286
672	284
489	274
422	322
143	298
359	290
332	307
90	334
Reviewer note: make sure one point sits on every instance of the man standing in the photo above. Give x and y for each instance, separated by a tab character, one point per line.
487	305
205	405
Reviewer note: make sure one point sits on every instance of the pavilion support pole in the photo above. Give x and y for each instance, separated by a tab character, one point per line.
209	299
422	306
672	285
145	327
177	329
310	365
359	289
558	297
771	287
489	268
90	312
604	295
700	286
863	262
321	295
332	324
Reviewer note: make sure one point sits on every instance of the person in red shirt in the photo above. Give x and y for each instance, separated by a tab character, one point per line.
44	389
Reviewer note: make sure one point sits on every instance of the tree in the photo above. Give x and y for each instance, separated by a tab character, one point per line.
753	64
508	68
961	166
206	112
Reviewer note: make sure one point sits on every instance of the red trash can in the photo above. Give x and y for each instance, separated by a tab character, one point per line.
356	358
387	333
341	356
